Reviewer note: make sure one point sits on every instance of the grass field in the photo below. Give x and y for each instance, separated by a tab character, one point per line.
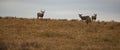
33	34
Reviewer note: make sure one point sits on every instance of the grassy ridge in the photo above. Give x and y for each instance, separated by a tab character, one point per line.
32	34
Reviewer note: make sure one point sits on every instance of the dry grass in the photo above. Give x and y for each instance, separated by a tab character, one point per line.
32	34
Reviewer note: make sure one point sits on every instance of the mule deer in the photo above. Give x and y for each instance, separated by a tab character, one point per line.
94	17
40	14
86	18
83	17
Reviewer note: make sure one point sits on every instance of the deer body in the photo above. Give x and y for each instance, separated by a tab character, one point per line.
94	17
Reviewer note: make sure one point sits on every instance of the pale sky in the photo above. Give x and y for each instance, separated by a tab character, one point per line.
106	10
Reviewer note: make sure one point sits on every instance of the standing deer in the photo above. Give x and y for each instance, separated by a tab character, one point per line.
40	14
82	17
94	17
86	18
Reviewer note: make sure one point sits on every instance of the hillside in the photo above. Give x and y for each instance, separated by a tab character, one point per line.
33	34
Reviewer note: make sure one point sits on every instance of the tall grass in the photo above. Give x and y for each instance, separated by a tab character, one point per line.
51	34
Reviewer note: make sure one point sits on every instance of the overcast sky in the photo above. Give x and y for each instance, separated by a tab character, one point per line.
106	10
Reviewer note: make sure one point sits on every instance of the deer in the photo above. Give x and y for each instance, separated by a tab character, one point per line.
94	17
82	17
40	14
87	19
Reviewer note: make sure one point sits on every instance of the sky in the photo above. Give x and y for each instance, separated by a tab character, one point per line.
106	10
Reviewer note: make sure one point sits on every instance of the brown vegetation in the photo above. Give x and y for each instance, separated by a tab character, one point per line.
37	34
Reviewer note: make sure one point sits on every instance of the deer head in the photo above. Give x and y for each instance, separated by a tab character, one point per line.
42	11
95	14
80	15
